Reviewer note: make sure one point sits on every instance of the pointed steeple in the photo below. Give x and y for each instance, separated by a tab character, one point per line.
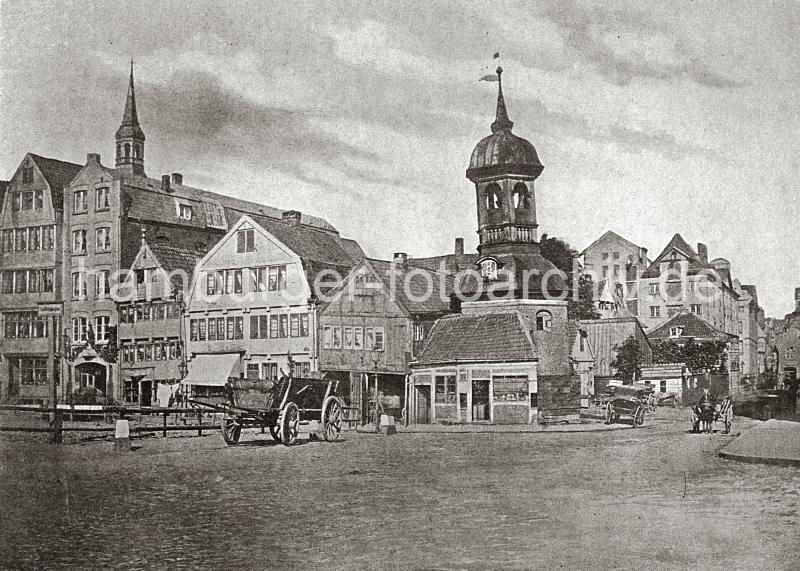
130	137
501	121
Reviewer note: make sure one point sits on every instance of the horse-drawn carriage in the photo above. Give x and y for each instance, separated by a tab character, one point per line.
704	415
281	406
630	401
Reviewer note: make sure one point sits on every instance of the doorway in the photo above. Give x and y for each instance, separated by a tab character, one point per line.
481	409
423	404
92	375
146	393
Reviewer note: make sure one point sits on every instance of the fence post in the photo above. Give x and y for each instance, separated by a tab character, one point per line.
164	432
199	422
58	421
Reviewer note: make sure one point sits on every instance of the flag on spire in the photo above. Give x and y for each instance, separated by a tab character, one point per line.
492	76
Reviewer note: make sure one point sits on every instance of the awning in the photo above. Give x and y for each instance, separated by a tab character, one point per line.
211	370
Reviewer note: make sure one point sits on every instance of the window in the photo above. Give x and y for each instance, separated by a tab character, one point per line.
29	371
294	325
337	337
25	325
284	326
327	337
696	308
20	281
303	325
8	282
102	199
493	197
27	200
616	255
655	311
27	174
245	240
605	255
79	241
35	239
347	337
48	233
193	329
605	271
102	285
675	331
79	201
662	386
522	196
7	241
102	240
101	323
16	201
373	338
21	239
184	212
273	326
445	389
78	286
258	279
212	330
230	328
544	321
653	289
79	326
358	338
220	328
277	278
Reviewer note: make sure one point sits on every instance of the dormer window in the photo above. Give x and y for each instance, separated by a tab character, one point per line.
489	270
184	212
544	321
675	331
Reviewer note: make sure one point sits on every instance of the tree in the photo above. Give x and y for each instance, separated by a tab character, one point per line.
558	252
583	307
628	362
698	357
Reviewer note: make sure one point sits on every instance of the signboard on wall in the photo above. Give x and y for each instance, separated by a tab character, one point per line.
49	309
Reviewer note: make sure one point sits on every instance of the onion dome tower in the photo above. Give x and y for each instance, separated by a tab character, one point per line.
503	168
130	137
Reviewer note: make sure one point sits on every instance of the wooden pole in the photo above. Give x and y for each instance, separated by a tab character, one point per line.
164	432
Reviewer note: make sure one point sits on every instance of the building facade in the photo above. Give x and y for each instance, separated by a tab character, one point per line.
31	225
253	306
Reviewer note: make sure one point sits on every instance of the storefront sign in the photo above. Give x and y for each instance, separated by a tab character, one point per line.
45	309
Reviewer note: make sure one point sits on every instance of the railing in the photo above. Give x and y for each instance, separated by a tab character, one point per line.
57	428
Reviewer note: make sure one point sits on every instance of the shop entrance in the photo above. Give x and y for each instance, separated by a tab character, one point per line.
480	400
422	406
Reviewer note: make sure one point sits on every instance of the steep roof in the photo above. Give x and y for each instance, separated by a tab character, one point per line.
174	258
609	234
58	174
453	263
311	244
692	327
606	334
495	337
418	290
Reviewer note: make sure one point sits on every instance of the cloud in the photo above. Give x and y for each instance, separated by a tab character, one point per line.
626	44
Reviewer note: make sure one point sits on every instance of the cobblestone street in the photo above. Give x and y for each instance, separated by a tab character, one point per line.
649	498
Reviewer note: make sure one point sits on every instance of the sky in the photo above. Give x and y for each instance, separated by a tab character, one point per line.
650	118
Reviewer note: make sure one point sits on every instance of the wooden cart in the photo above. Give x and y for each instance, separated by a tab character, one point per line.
281	406
703	418
629	401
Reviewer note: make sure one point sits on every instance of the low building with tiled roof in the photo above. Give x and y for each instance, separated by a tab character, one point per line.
375	323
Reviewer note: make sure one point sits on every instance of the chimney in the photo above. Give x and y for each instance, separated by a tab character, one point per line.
165	183
292	217
702	252
643	255
401	258
92	158
459	247
177	178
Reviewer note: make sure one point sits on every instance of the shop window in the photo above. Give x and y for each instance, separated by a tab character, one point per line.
510	388
445	389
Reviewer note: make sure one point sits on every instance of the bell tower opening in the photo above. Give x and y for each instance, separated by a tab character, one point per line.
130	136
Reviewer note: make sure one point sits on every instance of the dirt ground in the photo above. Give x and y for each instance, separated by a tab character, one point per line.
656	498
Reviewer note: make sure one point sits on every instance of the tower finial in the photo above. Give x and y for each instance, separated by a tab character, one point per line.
130	137
501	121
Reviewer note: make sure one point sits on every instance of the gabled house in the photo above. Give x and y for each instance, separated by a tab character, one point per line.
375	323
253	306
150	335
605	336
31	221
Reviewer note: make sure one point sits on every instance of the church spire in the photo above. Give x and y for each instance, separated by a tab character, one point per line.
130	137
501	121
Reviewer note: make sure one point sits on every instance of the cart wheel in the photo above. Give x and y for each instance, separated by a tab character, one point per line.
609	413
332	419
289	422
231	430
639	416
275	432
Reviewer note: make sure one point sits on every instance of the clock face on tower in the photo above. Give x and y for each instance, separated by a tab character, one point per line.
489	270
